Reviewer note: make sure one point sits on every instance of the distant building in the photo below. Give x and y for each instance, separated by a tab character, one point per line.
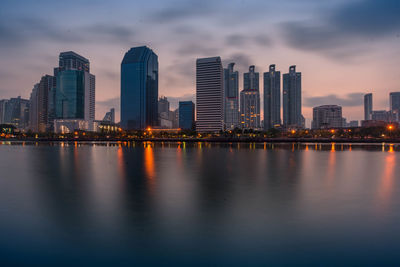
368	107
395	106
64	126
3	103
292	114
139	89
186	115
75	89
16	113
250	100
163	113
209	95
352	124
272	98
33	109
380	115
174	117
110	116
231	93
327	116
163	105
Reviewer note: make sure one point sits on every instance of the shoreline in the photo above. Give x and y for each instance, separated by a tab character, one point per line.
211	140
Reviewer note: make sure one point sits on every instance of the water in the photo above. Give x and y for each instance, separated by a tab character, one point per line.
199	204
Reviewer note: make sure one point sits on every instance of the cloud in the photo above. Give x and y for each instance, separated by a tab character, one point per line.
350	100
201	49
181	10
16	32
242	61
347	30
110	103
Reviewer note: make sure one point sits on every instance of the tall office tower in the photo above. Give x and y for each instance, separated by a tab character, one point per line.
75	88
250	100
3	103
272	98
17	113
163	105
292	116
395	106
209	95
46	84
33	109
110	116
327	116
186	115
139	89
368	107
231	94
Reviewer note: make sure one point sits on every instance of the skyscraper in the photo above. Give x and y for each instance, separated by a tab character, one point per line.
250	100
75	88
395	105
272	98
186	115
368	107
327	116
17	112
33	109
209	95
139	89
292	116
3	103
231	94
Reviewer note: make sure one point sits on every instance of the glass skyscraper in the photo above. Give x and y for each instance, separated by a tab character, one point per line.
250	100
139	89
186	115
292	116
272	98
231	91
395	105
368	107
75	89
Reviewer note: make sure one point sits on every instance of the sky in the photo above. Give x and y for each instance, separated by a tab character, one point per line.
343	48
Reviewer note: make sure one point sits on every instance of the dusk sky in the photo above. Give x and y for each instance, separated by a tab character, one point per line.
344	48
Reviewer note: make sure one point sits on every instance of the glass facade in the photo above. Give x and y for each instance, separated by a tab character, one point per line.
186	115
70	95
139	89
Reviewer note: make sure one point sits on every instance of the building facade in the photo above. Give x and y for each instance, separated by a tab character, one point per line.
75	89
250	100
395	106
292	109
368	107
327	116
231	95
139	89
209	95
272	98
186	115
16	113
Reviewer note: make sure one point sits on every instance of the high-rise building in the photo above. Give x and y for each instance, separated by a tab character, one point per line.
46	84
368	107
33	109
250	100
272	98
209	95
327	116
139	89
395	106
292	116
110	116
3	103
231	94
163	105
75	88
186	115
17	113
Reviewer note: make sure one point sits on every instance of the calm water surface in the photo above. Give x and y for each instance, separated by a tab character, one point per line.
199	204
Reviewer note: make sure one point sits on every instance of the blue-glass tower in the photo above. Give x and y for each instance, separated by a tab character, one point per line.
139	89
186	115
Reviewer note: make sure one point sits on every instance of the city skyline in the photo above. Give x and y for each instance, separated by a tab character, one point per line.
368	50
